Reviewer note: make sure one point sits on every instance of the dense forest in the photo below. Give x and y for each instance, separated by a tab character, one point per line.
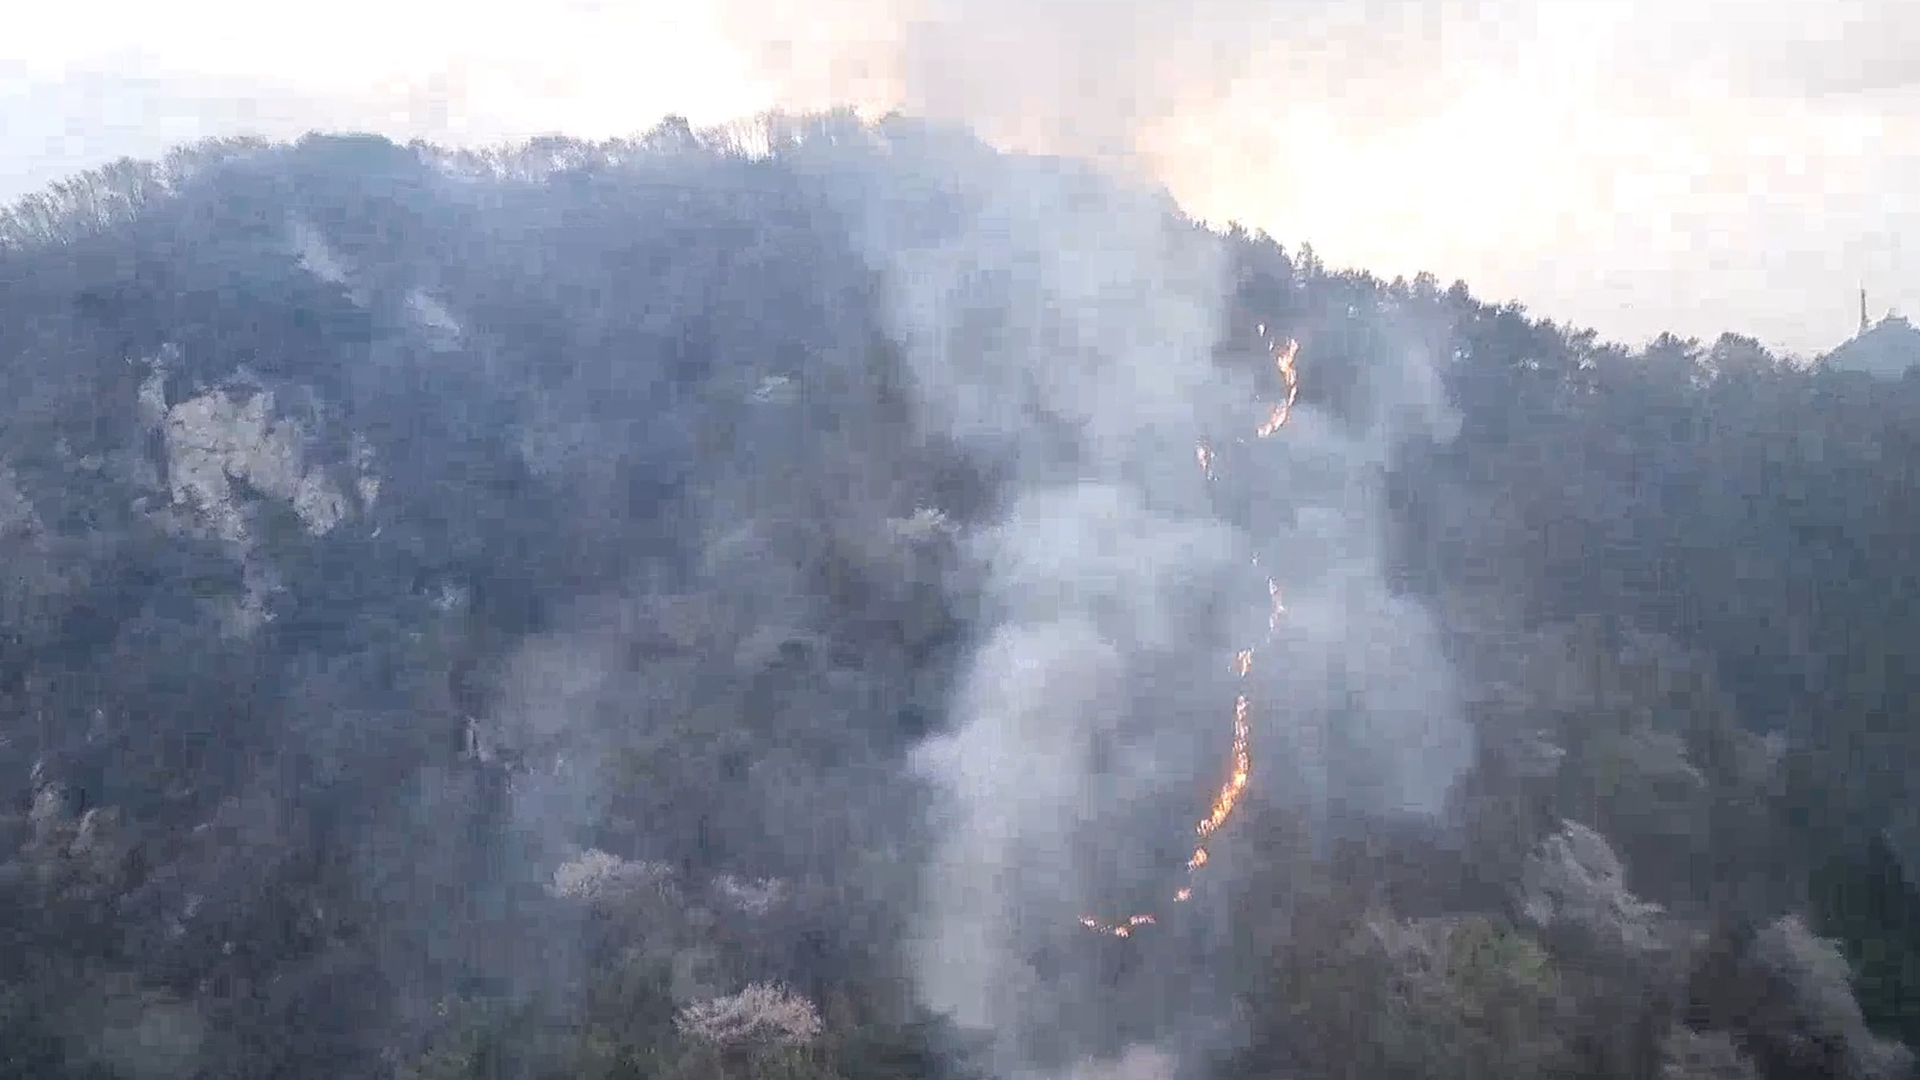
725	605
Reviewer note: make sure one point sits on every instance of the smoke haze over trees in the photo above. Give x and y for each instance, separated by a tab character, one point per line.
725	604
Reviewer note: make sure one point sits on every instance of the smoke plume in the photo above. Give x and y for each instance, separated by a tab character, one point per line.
1061	324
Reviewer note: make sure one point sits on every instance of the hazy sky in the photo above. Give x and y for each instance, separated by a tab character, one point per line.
1633	165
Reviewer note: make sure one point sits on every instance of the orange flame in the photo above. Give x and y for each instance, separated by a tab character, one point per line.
1290	379
1240	759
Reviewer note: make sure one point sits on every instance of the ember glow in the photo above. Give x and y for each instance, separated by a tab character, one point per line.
1240	760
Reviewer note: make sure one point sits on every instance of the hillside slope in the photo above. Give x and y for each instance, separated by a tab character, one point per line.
463	611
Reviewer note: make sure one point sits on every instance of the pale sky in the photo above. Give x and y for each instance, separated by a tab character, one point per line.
1631	165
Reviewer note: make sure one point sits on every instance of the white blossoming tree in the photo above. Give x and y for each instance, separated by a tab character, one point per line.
761	1014
764	1032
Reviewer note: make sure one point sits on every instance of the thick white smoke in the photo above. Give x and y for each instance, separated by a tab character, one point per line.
1061	324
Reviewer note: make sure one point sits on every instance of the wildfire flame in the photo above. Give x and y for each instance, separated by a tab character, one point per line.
1290	379
1240	758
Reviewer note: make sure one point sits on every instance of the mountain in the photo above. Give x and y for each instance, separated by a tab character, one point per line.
730	602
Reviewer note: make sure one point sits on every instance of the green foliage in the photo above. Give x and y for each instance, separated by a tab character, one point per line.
1481	1000
1865	902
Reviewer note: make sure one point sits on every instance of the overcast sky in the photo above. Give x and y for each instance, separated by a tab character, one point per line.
1633	165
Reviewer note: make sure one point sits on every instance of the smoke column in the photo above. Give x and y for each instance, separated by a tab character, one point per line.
1060	324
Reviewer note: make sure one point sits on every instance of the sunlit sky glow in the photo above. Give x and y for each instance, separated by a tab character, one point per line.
1633	165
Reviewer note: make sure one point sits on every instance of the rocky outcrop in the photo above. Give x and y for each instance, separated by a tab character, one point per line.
225	447
1575	882
220	437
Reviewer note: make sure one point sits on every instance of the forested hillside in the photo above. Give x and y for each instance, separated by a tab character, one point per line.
723	605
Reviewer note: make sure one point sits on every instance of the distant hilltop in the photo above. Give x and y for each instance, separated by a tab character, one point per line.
1886	348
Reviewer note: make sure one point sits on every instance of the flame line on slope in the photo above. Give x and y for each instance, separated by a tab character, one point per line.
1240	758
